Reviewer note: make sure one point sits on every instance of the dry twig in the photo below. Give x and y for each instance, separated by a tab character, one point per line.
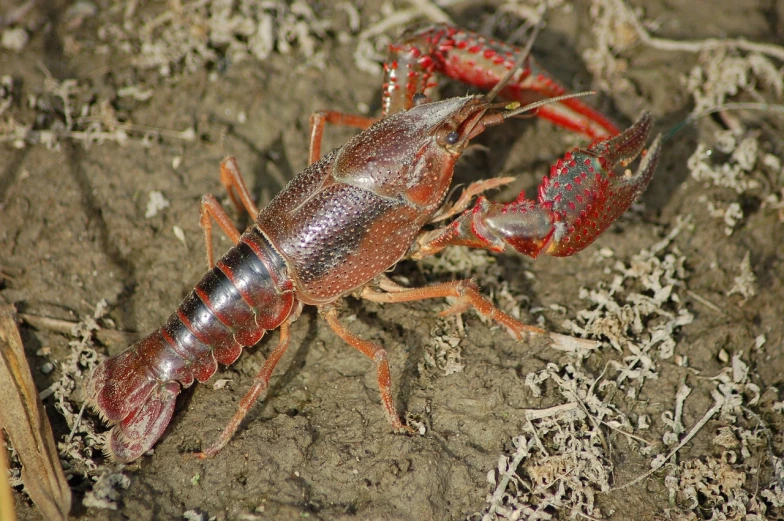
661	460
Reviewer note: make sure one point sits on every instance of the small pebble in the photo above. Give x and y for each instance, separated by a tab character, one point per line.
156	203
14	39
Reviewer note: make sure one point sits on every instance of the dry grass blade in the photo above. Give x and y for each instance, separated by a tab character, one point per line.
6	498
23	418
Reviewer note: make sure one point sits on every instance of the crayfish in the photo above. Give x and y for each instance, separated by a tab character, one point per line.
354	213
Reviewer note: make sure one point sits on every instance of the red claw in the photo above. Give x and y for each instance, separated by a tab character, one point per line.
481	62
578	201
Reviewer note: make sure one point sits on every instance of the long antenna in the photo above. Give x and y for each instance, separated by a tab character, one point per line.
516	111
691	118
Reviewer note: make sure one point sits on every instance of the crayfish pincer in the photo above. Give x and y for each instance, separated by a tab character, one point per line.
354	213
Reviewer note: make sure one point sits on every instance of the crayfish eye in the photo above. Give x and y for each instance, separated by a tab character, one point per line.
419	98
452	138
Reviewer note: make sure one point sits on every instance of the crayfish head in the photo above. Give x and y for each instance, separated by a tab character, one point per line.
412	154
450	125
464	124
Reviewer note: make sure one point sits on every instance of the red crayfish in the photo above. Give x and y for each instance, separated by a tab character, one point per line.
351	215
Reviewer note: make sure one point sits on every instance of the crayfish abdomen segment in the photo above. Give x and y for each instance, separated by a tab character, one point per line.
233	305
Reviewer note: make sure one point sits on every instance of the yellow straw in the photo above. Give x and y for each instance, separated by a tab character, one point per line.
6	498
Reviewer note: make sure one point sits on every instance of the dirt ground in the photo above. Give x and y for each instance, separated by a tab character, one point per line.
686	291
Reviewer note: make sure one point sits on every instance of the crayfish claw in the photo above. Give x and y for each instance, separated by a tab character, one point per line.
626	146
585	193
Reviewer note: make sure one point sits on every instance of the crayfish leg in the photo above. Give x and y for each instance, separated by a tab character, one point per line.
319	119
379	356
468	296
260	384
235	186
211	208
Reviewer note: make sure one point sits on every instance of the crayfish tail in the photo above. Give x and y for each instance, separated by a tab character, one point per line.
136	434
233	305
124	393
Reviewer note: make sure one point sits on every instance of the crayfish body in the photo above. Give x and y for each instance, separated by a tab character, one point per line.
344	221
